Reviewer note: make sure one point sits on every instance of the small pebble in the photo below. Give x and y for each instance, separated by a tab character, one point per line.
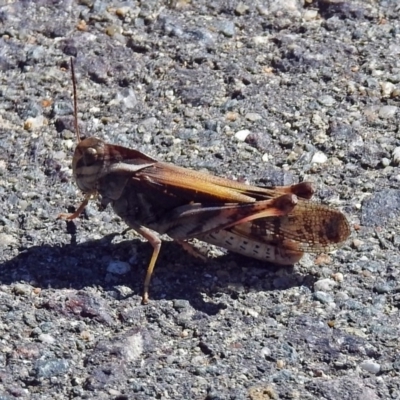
316	119
82	26
252	312
323	259
319	158
227	28
253	117
127	97
46	338
118	267
396	156
31	123
22	289
342	296
260	40
241	9
180	304
113	30
338	277
280	364
242	135
263	9
310	15
357	243
370	366
51	367
387	88
326	100
265	352
114	393
382	288
396	93
387	112
324	285
69	144
7	240
86	335
122	11
265	157
323	297
231	116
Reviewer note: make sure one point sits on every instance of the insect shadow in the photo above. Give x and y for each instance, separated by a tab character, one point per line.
178	275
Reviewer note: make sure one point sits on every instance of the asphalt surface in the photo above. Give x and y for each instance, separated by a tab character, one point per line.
270	92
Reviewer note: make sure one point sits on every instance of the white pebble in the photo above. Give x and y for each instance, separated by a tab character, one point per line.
324	285
265	352
309	15
387	112
34	123
253	117
253	313
387	88
319	157
118	267
338	277
242	135
22	289
127	97
69	144
46	338
258	40
396	155
370	366
7	240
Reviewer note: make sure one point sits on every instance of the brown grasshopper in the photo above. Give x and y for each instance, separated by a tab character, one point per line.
276	224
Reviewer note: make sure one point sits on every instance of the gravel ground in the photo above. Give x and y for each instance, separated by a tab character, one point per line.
274	92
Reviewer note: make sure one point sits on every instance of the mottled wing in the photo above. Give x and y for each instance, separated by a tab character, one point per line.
310	227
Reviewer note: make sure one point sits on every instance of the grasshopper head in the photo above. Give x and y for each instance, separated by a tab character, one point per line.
88	163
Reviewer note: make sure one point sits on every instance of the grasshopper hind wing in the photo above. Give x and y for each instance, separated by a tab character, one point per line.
315	228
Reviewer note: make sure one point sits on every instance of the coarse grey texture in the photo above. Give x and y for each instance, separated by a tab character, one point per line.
315	86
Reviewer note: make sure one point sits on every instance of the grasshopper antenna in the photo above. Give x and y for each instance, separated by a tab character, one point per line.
76	127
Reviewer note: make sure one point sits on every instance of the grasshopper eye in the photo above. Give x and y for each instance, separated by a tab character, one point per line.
90	156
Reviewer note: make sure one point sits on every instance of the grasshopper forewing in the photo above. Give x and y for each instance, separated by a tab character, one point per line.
275	224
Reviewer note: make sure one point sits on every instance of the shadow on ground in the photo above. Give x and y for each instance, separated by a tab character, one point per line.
178	275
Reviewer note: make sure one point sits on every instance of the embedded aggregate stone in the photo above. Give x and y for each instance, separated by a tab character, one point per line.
270	93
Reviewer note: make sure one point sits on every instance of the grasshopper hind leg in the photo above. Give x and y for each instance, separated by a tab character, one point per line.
155	241
191	249
284	253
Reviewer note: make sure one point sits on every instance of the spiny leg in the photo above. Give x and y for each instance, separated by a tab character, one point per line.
155	241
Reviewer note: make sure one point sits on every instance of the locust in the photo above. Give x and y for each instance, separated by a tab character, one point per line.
273	224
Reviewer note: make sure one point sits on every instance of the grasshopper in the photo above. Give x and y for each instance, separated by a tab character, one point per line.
273	224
